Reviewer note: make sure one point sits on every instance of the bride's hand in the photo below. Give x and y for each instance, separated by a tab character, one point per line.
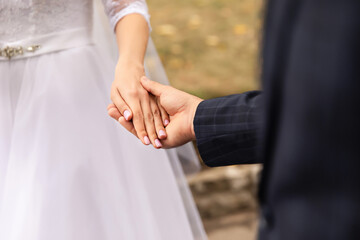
136	104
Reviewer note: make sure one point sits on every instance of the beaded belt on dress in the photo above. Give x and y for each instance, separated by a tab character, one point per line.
43	44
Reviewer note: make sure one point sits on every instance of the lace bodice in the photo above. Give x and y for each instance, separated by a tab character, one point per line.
22	19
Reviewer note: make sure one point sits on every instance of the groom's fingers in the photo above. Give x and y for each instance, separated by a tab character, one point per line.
114	112
153	87
111	105
128	125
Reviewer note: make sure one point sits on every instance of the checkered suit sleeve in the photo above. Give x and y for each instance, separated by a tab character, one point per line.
227	129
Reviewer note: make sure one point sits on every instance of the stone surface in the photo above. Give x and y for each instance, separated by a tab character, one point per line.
222	191
227	202
241	225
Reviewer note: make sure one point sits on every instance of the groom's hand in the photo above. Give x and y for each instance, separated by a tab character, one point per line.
181	108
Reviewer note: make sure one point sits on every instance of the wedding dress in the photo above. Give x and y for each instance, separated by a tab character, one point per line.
68	171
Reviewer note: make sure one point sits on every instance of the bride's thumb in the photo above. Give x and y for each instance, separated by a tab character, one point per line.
152	87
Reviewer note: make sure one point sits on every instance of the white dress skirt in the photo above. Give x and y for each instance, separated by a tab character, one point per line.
70	172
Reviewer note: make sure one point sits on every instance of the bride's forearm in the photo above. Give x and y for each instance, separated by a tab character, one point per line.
130	99
132	34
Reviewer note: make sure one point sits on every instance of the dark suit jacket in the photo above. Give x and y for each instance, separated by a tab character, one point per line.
304	127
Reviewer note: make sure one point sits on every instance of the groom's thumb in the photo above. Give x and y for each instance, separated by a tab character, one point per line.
154	88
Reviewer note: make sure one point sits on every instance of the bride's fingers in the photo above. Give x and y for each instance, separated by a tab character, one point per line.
138	122
159	126
164	115
121	105
128	125
114	112
149	122
128	115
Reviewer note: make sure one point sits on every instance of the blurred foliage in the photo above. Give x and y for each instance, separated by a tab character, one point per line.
209	47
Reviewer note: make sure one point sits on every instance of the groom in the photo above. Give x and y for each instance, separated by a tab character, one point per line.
304	127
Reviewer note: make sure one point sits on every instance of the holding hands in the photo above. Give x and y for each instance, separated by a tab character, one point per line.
179	106
135	105
131	102
141	106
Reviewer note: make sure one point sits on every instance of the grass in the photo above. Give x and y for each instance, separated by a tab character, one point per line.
209	47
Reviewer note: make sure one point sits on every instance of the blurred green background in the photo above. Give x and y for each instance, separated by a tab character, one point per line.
210	48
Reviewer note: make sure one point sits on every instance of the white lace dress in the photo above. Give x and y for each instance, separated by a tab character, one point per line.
68	171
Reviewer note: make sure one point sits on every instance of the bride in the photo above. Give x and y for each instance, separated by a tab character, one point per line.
67	172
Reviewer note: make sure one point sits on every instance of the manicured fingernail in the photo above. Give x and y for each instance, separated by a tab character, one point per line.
146	140
166	122
162	133
158	143
127	114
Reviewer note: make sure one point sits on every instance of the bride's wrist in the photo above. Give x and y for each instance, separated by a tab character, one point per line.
130	64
